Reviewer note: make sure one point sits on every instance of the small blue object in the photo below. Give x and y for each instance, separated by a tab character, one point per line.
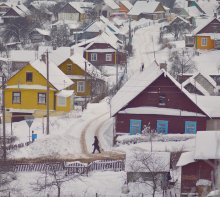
34	136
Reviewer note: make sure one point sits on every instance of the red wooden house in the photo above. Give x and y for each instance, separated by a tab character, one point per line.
104	50
154	96
200	164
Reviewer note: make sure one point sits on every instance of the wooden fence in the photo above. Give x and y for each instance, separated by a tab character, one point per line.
69	167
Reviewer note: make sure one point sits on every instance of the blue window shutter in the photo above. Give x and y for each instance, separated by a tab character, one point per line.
190	127
135	126
162	126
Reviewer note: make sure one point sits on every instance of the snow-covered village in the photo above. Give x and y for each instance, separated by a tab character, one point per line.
109	98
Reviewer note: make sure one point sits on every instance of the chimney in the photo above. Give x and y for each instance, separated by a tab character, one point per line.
163	66
215	14
71	51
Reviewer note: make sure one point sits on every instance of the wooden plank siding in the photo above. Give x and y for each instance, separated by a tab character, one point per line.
175	99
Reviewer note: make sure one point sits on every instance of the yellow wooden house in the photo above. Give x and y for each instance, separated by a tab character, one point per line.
87	79
207	35
25	92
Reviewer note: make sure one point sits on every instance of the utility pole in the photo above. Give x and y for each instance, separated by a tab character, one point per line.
85	83
3	116
116	70
48	94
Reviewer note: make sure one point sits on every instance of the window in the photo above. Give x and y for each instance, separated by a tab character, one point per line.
29	76
204	41
135	126
41	98
162	100
162	126
190	127
81	86
93	56
108	57
69	67
16	97
61	101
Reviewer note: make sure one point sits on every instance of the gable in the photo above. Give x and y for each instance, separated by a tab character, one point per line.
68	9
160	8
76	70
99	46
212	27
11	12
174	97
20	77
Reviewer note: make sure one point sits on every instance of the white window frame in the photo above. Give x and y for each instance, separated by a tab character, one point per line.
108	57
80	86
61	101
16	97
94	57
204	41
42	98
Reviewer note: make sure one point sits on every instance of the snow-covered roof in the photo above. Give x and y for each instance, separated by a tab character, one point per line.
181	18
204	65
127	4
109	24
202	25
138	83
112	4
143	161
207	145
213	193
143	7
194	11
186	158
22	55
159	111
203	182
81	6
210	104
24	9
90	69
60	55
43	3
56	77
65	93
43	31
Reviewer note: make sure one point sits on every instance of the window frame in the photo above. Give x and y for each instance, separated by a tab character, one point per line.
92	57
78	86
27	78
60	103
38	98
108	57
69	68
162	100
206	41
13	98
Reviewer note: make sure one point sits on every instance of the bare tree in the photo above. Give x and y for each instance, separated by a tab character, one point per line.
149	168
182	62
53	177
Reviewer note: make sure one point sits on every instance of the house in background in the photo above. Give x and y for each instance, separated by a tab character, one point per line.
200	84
125	6
103	50
40	35
147	166
151	10
4	7
207	36
26	91
88	82
200	164
16	12
109	7
75	11
154	96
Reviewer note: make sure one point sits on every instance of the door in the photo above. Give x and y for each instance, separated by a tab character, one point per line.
135	126
162	126
190	127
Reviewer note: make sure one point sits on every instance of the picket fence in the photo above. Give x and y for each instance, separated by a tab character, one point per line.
69	167
99	165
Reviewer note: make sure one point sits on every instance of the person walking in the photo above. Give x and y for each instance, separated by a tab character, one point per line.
96	145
